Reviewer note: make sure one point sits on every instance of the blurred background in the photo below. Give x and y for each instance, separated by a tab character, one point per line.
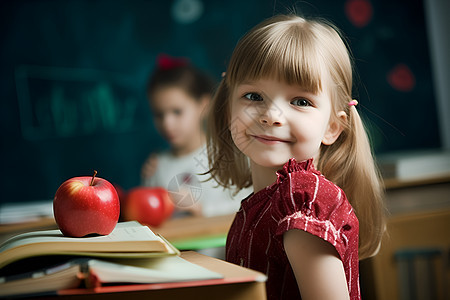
73	76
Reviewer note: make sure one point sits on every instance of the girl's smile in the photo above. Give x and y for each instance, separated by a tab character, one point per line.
269	140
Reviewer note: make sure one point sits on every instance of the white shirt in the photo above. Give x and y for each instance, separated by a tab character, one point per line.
181	176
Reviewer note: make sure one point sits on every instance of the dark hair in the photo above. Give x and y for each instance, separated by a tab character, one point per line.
190	79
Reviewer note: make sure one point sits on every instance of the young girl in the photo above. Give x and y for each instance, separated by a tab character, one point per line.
179	94
283	106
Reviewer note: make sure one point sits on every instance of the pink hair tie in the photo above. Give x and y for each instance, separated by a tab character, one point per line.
353	103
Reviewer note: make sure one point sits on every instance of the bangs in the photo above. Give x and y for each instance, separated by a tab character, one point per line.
282	51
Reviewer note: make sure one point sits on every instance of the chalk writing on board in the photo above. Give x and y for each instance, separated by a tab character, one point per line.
59	102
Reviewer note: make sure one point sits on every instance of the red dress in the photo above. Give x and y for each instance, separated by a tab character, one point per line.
301	198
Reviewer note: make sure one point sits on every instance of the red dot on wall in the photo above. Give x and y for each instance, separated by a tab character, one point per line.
401	78
359	12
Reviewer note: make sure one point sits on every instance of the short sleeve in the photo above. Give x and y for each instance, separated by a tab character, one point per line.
310	202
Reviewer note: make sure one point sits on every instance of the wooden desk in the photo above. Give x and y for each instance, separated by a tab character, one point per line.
414	206
238	284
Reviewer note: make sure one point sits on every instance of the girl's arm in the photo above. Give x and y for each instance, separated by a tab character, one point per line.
317	267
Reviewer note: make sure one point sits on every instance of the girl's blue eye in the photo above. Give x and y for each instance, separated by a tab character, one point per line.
253	97
301	102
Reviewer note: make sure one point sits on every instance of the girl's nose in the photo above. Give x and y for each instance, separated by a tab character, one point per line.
271	116
267	121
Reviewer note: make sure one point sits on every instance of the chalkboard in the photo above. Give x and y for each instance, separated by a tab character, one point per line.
73	77
65	103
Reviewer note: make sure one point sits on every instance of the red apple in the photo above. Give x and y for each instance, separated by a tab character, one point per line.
148	205
86	205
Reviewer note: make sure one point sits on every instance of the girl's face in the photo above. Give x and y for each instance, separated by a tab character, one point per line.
272	122
177	116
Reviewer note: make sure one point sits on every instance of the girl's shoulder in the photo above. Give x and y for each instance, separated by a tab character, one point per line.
165	160
167	155
304	199
304	191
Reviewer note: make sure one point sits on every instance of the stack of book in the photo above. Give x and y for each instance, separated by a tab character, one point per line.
44	262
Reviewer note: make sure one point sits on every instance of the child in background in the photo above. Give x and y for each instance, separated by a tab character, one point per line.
179	94
285	105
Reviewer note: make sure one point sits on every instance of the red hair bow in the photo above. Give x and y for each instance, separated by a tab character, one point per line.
166	62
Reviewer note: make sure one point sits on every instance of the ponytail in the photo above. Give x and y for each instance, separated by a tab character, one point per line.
349	163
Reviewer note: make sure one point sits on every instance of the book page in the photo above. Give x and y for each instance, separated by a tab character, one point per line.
155	270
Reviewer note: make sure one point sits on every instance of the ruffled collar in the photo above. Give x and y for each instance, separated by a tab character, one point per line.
289	167
293	166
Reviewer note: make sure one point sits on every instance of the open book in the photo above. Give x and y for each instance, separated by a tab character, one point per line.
128	239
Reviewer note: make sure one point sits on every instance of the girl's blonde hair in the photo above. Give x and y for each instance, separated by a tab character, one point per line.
303	52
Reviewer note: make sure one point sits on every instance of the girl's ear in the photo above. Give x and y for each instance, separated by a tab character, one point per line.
334	129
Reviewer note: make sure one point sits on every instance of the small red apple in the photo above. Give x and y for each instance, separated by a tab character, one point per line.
148	205
86	205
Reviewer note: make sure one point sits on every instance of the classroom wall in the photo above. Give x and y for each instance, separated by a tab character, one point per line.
73	75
